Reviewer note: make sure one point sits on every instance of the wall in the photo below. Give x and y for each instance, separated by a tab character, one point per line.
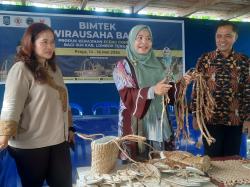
199	38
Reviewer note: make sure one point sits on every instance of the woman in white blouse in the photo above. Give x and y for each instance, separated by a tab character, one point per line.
34	117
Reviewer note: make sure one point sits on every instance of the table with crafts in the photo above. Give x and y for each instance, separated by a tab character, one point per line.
227	171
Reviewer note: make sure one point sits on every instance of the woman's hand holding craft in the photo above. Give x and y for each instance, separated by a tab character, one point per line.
3	142
161	88
71	137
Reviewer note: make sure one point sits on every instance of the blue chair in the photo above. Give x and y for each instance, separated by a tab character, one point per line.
243	146
105	108
8	172
78	155
76	109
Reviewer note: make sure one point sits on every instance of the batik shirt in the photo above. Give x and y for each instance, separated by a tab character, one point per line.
229	83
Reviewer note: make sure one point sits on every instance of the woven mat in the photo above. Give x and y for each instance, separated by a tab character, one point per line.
230	172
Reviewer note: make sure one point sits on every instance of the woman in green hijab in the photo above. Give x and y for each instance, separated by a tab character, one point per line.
140	81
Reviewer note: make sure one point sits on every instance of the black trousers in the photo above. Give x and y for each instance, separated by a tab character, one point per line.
228	140
51	163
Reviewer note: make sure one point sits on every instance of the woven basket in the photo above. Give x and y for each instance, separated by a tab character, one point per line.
105	152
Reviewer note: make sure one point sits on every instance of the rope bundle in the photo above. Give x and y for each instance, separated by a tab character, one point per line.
181	111
204	107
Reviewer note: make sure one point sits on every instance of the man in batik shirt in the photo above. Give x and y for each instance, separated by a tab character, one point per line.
227	76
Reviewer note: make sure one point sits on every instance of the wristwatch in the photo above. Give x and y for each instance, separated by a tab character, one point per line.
72	129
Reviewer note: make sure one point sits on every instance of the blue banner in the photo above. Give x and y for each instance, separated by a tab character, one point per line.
88	46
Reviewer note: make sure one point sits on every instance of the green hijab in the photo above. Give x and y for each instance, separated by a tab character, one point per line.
149	71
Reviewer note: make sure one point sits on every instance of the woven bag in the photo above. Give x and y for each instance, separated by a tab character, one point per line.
105	152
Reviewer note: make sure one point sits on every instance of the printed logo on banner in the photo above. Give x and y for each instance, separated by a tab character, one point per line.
42	20
6	20
29	21
18	21
22	21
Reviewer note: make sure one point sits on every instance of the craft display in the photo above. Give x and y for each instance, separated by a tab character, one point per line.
171	165
144	174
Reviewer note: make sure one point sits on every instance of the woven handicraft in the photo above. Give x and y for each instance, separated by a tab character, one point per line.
183	159
230	172
104	154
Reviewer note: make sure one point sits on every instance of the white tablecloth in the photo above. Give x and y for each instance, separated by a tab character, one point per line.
85	171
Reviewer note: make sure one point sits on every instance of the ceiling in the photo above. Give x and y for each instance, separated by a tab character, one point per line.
220	9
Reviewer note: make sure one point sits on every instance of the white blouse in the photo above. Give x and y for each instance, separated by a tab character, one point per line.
36	110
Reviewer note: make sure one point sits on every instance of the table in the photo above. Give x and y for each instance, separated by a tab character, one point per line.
85	171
